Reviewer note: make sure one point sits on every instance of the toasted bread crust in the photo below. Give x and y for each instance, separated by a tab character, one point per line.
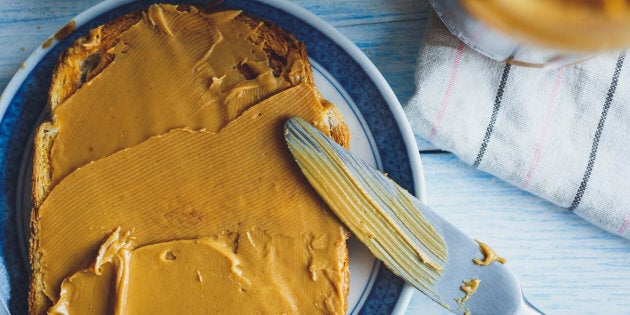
37	300
38	303
83	61
41	161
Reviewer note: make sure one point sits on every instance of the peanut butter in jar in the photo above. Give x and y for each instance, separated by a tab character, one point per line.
538	32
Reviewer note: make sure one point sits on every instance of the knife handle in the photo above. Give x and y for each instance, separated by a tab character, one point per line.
528	308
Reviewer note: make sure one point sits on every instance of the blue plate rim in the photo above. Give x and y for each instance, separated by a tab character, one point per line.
404	129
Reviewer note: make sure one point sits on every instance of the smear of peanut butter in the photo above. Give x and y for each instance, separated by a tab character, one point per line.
66	30
172	69
246	272
469	288
62	33
489	255
385	218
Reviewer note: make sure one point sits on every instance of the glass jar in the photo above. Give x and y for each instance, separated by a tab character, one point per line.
538	33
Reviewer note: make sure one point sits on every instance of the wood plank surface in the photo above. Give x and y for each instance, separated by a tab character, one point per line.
566	265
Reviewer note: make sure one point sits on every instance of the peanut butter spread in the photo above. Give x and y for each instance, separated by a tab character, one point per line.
184	185
469	287
489	255
172	69
229	268
584	25
380	213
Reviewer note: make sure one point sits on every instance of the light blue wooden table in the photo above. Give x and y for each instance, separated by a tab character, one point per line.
566	266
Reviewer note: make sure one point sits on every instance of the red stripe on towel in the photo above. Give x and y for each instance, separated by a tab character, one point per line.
449	90
624	225
545	129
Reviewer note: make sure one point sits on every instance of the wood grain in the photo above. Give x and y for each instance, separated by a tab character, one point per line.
25	25
566	265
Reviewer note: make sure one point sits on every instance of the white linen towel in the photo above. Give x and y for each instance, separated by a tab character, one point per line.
562	134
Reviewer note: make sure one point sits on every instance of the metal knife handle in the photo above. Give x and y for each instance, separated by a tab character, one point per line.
528	308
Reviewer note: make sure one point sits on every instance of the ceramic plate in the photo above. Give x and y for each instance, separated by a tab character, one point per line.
379	132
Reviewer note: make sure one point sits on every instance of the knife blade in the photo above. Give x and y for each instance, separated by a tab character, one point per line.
411	239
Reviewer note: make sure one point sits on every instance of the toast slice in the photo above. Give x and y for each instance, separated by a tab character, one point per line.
272	62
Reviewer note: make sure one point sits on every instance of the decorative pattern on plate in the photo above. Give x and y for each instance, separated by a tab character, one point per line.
29	100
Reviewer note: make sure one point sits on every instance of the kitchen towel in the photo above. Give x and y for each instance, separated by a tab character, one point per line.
562	134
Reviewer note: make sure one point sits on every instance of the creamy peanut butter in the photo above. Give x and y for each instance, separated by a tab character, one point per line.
61	33
172	69
585	25
239	272
380	213
194	184
178	141
489	255
469	288
95	290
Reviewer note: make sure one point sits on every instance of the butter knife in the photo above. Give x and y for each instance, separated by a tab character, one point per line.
462	275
